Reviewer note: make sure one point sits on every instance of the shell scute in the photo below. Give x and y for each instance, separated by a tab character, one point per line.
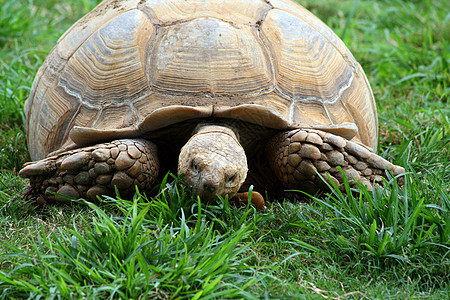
212	56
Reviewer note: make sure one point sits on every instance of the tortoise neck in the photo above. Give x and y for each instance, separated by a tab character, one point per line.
215	128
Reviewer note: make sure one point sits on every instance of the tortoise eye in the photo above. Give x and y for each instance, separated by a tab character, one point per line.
194	165
232	177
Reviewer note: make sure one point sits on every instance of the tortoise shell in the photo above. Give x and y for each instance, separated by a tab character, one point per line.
130	67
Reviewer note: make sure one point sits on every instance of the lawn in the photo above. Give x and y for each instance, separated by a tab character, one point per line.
393	242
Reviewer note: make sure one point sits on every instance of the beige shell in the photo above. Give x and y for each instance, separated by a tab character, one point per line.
129	67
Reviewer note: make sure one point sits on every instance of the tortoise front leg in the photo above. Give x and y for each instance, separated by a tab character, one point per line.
92	171
297	156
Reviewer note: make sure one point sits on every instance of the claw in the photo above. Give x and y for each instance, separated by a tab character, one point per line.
38	168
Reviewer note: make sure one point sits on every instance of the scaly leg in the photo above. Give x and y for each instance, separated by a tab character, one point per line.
92	171
297	156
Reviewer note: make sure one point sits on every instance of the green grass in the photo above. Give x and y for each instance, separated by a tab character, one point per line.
393	242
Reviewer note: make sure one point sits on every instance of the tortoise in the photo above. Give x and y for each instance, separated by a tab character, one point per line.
228	93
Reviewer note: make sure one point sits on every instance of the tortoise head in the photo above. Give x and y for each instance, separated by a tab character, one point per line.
213	162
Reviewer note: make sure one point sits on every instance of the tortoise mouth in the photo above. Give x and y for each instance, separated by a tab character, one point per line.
205	191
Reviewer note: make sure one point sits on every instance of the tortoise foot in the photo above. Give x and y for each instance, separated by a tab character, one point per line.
92	171
298	156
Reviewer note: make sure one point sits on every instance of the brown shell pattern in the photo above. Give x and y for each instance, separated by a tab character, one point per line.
132	66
